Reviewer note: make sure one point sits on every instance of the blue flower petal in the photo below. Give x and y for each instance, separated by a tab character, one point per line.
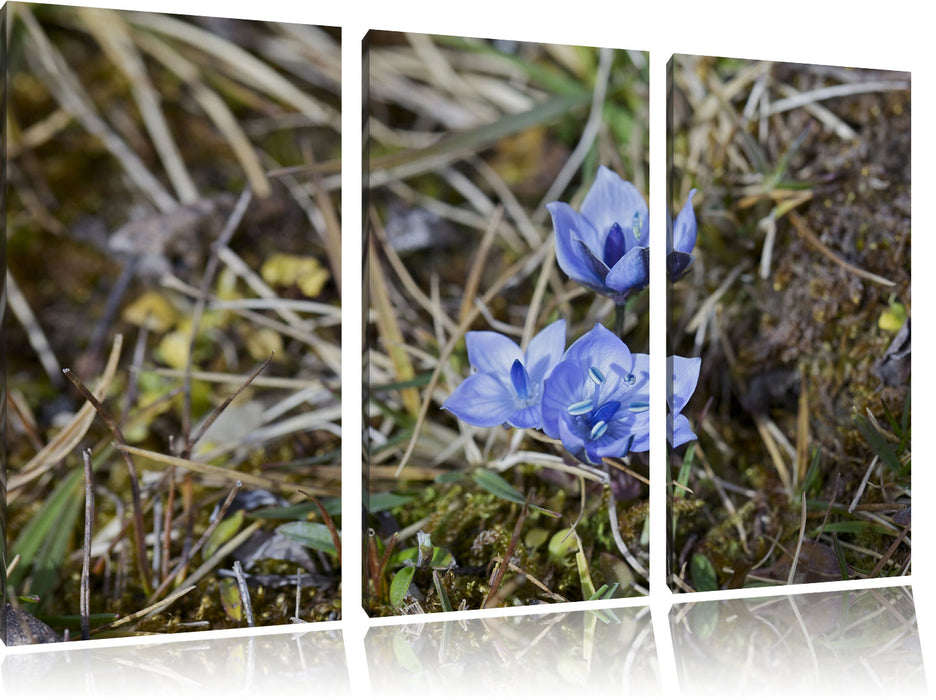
482	400
613	200
685	229
491	352
678	430
570	226
601	349
562	388
632	272
545	350
683	373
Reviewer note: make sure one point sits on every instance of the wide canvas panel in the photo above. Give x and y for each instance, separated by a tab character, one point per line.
795	182
506	374
173	327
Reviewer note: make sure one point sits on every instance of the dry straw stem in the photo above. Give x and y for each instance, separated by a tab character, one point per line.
230	226
149	610
242	65
113	35
213	106
35	334
801	227
224	473
68	438
138	529
389	331
68	91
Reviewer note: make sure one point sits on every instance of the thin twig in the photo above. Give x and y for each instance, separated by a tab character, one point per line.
209	531
329	523
799	542
150	609
224	404
244	592
800	224
230	226
85	595
511	547
138	533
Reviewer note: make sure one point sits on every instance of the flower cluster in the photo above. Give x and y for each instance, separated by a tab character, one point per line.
593	396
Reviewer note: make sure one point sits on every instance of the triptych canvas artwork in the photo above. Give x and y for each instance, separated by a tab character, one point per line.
173	325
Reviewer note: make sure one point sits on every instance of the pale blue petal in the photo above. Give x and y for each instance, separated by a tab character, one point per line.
545	350
613	200
482	400
492	352
631	272
528	417
678	430
570	226
683	373
562	388
685	229
599	348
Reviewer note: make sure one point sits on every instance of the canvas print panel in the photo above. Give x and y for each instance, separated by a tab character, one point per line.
173	330
507	239
789	263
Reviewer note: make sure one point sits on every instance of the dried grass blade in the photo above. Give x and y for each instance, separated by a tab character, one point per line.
201	468
84	602
69	93
242	65
66	440
215	107
111	32
138	532
508	555
389	331
224	404
474	274
148	610
37	338
800	224
802	432
329	523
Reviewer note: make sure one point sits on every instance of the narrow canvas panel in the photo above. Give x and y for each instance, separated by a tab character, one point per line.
173	327
506	374
789	258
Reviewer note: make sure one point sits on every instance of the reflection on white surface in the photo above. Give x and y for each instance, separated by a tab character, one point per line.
263	666
837	643
605	651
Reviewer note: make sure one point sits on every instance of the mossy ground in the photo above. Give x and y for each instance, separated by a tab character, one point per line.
794	349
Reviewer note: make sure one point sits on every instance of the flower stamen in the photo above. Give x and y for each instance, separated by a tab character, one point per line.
580	408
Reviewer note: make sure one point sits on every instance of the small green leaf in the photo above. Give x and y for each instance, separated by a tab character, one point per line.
230	599
441	592
400	585
494	483
441	558
226	529
311	535
880	445
379	502
703	573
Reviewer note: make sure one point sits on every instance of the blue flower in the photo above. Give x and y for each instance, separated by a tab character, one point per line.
597	398
507	386
683	376
681	238
604	247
